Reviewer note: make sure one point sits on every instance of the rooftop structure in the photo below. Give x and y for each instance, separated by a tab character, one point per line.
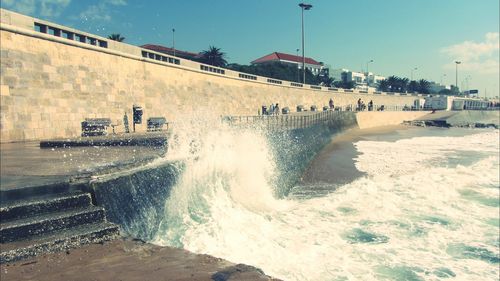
314	66
171	51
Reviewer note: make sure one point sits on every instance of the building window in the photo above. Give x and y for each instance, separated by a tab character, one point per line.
103	44
80	38
246	76
273	81
40	27
212	69
296	84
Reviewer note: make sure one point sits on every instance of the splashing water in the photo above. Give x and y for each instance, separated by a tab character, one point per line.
427	209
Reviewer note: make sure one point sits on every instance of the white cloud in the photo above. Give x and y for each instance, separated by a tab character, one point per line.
117	2
26	7
101	11
96	12
46	8
53	8
480	57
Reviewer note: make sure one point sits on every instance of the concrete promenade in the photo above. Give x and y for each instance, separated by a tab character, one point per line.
25	164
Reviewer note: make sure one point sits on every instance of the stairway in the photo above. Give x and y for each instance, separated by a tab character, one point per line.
38	224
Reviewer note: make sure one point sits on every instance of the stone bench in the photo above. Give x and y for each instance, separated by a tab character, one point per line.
95	126
156	123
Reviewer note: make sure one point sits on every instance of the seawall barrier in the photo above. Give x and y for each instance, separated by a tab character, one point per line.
53	77
371	119
136	199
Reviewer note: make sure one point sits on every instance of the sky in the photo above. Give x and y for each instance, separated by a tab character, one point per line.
398	35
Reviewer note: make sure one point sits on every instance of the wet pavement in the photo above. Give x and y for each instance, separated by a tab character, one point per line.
26	164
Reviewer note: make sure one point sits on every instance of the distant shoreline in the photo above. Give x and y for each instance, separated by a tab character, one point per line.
334	164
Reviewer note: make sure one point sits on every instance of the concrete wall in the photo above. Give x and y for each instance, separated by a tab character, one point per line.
371	119
49	85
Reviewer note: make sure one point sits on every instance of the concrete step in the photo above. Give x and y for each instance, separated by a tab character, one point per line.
24	192
50	222
59	241
35	206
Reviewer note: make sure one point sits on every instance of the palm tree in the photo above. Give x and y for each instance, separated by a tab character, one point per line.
213	56
424	86
383	85
392	83
116	37
403	84
413	86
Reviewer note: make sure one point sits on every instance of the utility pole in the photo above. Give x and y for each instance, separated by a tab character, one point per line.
304	7
298	68
173	40
368	75
456	73
411	75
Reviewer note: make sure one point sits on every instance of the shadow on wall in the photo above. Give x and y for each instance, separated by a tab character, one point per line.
136	201
295	149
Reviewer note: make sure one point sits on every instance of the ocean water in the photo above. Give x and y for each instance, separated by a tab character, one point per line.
426	207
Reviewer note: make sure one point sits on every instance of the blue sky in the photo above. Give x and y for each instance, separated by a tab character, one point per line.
397	34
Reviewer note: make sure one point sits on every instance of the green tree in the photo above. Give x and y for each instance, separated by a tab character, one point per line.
344	84
324	80
383	85
413	86
392	83
424	86
116	37
446	92
213	56
455	90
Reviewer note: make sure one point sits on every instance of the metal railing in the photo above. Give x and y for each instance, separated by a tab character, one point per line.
300	120
283	122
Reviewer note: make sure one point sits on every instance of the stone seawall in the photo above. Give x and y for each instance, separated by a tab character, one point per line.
49	87
371	119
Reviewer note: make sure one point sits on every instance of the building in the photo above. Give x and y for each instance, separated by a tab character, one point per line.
311	64
435	88
362	80
171	51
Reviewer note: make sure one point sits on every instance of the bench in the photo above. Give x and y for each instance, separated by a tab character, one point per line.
95	126
156	123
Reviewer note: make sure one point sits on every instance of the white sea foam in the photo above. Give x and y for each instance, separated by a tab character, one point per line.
412	216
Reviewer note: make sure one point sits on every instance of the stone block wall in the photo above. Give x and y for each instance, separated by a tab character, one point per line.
48	88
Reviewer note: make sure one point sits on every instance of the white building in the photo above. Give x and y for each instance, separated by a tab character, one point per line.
362	80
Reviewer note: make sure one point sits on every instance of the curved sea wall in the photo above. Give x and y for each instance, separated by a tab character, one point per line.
371	119
49	84
136	199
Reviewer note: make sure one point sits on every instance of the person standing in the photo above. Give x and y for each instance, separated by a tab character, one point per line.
330	103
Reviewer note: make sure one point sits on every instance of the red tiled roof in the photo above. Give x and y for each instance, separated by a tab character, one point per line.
169	51
276	56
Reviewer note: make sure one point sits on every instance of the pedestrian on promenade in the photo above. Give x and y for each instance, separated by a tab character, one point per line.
359	104
271	109
277	109
370	105
330	103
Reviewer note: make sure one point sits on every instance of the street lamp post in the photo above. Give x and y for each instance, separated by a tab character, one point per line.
306	7
411	75
444	75
368	74
173	40
456	73
467	78
298	72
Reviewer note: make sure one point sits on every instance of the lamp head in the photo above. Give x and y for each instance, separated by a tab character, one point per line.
305	6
